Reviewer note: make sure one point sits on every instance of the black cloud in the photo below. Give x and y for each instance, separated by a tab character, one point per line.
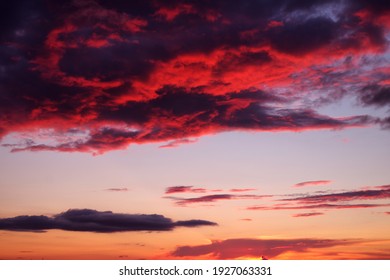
376	95
304	37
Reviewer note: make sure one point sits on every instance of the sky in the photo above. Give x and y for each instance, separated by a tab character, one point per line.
195	129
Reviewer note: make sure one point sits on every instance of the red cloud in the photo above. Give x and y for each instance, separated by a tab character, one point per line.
100	76
170	13
312	183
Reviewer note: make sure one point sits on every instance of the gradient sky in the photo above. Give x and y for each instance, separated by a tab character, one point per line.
195	129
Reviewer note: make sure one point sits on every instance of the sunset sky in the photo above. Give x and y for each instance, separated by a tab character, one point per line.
195	129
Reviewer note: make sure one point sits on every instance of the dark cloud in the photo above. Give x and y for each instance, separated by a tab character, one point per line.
163	71
376	95
385	123
312	183
378	6
304	37
96	221
270	248
194	223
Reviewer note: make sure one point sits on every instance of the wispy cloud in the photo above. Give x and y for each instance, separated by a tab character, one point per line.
214	198
317	206
379	192
117	189
313	183
336	200
178	142
184	189
246	219
311	214
242	190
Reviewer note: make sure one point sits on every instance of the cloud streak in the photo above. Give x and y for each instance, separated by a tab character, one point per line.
117	189
333	201
313	183
380	192
311	214
184	189
242	190
214	198
319	206
87	220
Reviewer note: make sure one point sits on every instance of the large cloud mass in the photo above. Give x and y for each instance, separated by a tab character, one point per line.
94	76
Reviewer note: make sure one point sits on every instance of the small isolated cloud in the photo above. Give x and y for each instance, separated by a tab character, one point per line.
241	190
317	206
246	220
308	214
249	248
96	221
313	183
117	189
178	142
184	189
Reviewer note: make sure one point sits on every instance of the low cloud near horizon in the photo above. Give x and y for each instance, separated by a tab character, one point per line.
255	248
